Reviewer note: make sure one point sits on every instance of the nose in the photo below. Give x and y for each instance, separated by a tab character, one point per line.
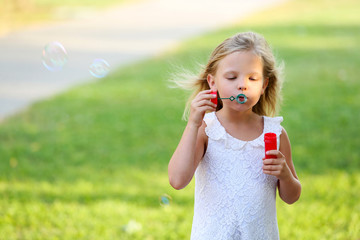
242	84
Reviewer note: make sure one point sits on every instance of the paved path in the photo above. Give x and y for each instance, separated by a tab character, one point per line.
120	36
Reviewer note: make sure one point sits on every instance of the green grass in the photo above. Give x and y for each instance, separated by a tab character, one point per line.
84	164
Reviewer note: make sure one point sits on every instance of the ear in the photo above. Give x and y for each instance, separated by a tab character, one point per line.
211	81
265	84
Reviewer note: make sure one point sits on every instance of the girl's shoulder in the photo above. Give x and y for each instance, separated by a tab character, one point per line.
209	119
213	128
273	120
209	116
273	124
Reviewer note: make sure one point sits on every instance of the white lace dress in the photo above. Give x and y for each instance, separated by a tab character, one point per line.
234	199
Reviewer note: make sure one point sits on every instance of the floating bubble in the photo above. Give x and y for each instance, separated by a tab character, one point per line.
165	200
54	56
132	227
99	68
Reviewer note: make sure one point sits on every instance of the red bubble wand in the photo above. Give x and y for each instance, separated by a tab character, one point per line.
241	98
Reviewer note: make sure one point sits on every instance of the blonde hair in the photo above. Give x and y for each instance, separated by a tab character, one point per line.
269	102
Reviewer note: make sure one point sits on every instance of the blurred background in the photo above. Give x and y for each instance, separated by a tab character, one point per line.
16	14
89	123
71	36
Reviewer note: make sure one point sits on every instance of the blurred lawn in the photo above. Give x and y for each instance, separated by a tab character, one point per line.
85	164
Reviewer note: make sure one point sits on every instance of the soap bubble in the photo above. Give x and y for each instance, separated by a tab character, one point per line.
99	68
132	227
54	56
165	200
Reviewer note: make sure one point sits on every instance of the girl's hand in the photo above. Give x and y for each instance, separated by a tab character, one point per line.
276	166
200	105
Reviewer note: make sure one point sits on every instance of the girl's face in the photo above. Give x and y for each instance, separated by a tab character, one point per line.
239	72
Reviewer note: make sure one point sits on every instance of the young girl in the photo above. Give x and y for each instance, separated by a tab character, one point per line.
223	144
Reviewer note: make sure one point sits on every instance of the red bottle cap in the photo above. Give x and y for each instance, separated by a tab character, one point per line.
270	144
214	100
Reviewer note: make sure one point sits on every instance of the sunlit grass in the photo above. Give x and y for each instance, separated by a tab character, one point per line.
328	208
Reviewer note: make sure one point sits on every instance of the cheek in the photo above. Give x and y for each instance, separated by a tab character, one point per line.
225	91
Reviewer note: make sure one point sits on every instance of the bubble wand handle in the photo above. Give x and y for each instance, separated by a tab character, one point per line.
241	98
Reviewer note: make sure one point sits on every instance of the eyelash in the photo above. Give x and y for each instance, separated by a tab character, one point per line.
232	78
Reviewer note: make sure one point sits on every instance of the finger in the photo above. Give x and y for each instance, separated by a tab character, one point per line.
275	153
271	167
272	161
205	91
207	108
273	173
207	96
204	103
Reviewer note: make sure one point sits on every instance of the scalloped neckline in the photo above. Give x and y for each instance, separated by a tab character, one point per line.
242	141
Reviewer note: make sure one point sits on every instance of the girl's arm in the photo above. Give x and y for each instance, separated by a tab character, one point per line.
191	148
187	156
283	168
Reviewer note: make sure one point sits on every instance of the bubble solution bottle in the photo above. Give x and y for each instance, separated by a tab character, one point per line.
270	144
